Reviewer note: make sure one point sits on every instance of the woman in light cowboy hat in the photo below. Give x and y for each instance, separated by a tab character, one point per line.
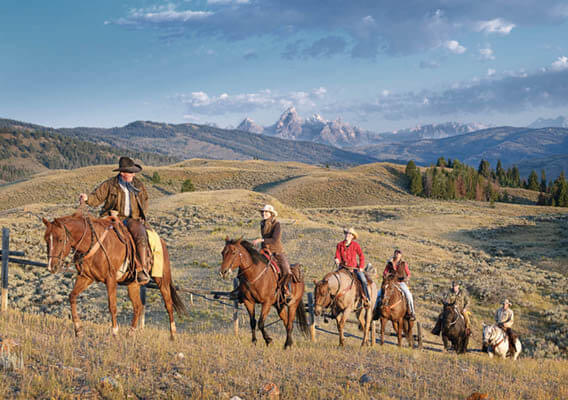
271	240
346	253
125	196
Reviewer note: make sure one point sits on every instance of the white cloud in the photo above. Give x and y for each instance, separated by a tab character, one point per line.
491	72
455	47
365	28
486	54
560	64
497	25
200	103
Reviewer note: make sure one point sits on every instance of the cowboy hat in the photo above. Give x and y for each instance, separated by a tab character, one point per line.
270	209
351	231
126	164
506	301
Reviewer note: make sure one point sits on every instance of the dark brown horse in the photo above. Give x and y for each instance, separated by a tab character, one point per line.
394	308
259	285
102	250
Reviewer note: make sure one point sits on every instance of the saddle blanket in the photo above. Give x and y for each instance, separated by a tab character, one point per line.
157	252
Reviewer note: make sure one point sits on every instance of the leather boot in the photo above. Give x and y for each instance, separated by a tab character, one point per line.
438	327
142	275
284	288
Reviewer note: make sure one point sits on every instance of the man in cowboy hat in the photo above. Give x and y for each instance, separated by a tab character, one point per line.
125	196
398	267
460	299
346	254
504	317
271	241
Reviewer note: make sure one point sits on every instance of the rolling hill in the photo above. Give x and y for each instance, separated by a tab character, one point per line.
508	144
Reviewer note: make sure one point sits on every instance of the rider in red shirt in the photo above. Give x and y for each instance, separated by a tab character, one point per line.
346	255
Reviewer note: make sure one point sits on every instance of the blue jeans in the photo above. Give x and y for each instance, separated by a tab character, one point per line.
407	293
363	280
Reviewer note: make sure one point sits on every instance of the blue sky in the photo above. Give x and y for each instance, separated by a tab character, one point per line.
378	64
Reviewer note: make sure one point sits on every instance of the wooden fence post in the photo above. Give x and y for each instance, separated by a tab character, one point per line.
236	312
143	299
312	320
5	256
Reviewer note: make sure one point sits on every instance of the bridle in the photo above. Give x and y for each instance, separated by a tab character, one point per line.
67	237
386	298
244	267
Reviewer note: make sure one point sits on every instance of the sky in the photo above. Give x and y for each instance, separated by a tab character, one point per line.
378	64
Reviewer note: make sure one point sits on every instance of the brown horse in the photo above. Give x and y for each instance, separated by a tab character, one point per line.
338	291
259	285
102	250
394	308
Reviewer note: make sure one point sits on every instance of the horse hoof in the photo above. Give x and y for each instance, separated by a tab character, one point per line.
79	333
268	341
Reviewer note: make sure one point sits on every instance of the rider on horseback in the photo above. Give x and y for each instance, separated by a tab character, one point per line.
346	254
272	242
459	298
398	267
504	317
125	196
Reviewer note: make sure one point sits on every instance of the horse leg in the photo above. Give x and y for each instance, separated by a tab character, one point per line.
383	323
263	314
445	341
287	315
168	303
341	319
80	284
134	296
250	309
398	329
111	293
365	320
408	332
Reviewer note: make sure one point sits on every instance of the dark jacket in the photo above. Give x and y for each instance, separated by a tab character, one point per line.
111	194
272	235
400	270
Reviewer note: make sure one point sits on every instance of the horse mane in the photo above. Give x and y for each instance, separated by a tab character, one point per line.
256	256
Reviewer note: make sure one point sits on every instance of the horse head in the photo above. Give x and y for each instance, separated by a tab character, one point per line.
489	334
322	296
232	256
58	241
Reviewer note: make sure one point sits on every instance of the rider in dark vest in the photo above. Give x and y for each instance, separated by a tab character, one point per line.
271	241
125	196
399	268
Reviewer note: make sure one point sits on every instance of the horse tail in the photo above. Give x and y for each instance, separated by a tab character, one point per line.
301	318
179	307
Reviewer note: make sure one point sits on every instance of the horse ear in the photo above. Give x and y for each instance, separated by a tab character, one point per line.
45	222
315	282
239	240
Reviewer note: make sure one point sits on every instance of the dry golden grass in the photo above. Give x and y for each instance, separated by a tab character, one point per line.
216	364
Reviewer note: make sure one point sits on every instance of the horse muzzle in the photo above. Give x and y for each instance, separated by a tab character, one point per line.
223	274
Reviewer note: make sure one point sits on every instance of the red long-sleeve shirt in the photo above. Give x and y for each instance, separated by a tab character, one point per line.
348	255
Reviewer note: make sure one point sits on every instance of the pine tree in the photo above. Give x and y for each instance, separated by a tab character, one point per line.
515	177
485	168
410	168
501	174
441	162
532	184
543	185
416	187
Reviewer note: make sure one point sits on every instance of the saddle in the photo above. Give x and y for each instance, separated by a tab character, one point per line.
271	261
357	282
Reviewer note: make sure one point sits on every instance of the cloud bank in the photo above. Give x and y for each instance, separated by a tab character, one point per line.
363	29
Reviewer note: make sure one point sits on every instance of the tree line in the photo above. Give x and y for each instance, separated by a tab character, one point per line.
453	180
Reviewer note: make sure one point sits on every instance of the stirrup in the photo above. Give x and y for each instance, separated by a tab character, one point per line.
142	277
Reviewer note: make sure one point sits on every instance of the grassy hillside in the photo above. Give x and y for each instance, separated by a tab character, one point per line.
500	250
24	152
217	365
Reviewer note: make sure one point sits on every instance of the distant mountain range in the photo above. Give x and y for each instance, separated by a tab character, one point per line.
559	122
185	141
508	144
341	134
